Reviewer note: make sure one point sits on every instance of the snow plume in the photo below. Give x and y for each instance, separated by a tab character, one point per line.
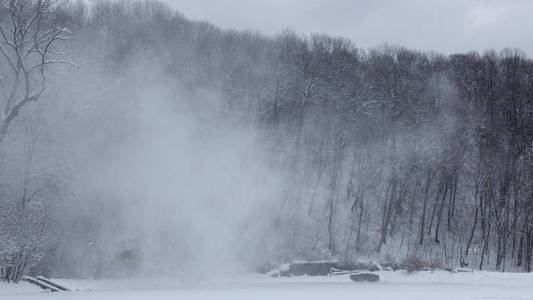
162	182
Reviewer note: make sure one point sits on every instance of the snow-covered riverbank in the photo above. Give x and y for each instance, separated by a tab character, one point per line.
393	285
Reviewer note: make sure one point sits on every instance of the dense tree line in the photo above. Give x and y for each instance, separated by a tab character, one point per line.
385	153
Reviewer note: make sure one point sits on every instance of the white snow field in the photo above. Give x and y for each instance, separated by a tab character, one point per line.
393	285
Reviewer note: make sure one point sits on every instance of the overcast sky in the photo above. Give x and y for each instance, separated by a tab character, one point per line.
444	25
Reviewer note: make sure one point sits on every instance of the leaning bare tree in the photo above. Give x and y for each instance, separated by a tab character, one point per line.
31	40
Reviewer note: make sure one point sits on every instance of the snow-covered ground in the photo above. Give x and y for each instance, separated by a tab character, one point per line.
393	285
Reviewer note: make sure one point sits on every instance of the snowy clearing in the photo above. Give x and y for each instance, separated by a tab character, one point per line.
393	285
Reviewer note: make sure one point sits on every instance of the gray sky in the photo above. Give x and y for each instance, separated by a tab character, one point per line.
443	25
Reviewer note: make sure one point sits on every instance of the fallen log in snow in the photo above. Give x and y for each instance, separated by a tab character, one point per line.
45	286
51	283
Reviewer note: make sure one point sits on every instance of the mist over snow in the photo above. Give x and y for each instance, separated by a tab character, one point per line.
135	142
166	178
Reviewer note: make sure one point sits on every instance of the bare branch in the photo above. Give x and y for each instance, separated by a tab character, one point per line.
27	42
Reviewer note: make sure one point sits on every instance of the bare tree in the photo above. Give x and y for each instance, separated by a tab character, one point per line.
31	39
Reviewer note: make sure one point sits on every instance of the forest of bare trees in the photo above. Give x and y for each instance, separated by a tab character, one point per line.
382	154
